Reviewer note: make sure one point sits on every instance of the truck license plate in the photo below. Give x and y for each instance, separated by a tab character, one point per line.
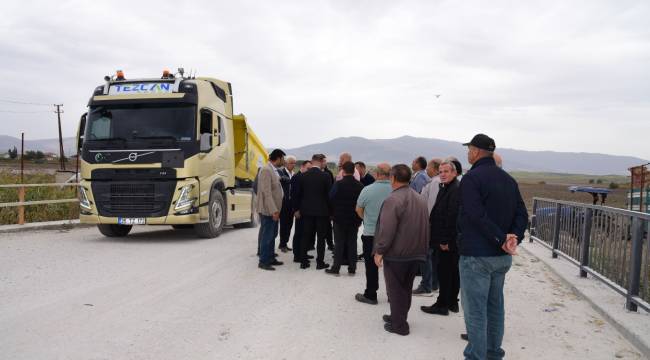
131	221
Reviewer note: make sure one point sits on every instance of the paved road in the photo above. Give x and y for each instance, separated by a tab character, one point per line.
163	294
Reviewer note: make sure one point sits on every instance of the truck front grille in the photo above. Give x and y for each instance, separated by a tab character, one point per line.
133	199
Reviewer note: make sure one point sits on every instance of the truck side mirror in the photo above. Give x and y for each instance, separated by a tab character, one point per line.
81	130
206	142
206	130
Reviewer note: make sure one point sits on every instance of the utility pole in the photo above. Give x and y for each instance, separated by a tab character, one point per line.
61	154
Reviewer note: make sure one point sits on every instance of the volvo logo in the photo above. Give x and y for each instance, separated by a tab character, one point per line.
134	156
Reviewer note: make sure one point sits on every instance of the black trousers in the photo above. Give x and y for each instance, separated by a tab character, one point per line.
448	278
314	226
329	234
372	272
298	234
399	276
345	240
286	223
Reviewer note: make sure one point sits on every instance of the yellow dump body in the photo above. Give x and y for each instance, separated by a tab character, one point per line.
250	154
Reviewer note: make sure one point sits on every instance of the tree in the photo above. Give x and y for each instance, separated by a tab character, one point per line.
13	153
591	181
599	181
613	185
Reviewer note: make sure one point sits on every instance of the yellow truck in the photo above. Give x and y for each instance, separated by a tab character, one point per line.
166	151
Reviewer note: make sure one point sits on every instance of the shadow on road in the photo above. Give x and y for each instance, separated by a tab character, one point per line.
162	234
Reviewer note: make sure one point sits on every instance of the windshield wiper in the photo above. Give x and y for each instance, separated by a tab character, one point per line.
166	137
109	139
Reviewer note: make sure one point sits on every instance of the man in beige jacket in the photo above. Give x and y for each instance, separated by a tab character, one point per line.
269	204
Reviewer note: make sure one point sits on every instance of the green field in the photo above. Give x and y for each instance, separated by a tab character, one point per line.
36	213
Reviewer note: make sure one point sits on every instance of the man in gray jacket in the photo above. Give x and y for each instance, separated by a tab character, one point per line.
269	204
401	244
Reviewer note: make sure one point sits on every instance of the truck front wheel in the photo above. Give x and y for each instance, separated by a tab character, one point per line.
217	217
112	230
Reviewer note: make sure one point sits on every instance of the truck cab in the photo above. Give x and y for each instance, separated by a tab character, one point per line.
166	151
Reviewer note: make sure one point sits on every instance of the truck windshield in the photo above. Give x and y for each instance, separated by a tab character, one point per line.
141	121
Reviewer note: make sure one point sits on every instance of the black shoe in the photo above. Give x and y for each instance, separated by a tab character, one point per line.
277	263
332	272
454	308
464	337
275	255
435	309
297	260
362	298
265	267
360	257
304	265
284	249
351	272
421	292
310	256
386	319
322	266
389	327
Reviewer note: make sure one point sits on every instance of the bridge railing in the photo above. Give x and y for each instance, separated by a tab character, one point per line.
608	243
21	203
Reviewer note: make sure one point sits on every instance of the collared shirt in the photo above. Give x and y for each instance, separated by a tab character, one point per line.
419	179
370	200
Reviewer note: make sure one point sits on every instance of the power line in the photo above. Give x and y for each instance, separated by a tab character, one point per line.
23	102
24	112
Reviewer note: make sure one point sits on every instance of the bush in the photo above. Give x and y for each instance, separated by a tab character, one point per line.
591	181
542	182
613	185
599	181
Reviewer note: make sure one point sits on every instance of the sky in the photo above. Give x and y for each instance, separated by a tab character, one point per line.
534	75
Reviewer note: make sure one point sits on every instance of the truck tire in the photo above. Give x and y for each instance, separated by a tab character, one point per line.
216	219
113	230
255	217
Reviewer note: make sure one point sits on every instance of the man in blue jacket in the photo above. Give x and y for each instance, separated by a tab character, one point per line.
492	222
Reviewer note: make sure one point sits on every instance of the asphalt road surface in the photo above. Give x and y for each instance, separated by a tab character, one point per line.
164	294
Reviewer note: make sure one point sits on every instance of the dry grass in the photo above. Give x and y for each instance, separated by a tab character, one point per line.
37	213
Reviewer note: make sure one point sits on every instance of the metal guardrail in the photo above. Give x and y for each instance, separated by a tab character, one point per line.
608	243
21	196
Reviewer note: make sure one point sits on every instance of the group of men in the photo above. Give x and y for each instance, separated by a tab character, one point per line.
458	231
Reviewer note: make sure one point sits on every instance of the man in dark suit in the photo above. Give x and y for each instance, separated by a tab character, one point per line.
329	238
314	210
344	196
295	205
286	214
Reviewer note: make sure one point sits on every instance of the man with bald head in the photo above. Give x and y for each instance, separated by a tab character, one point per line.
343	158
368	205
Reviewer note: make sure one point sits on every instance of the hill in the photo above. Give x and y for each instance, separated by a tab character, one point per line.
406	148
45	145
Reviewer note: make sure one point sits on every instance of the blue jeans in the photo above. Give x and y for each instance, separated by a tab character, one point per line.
481	283
268	232
429	270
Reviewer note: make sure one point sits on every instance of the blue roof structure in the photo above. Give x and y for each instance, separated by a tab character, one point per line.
589	189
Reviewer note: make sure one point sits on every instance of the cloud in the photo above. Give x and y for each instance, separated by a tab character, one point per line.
555	75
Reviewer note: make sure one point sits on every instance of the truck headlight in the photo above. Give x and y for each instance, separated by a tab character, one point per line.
184	199
83	199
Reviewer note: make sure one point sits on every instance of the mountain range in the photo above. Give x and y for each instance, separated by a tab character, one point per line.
404	149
